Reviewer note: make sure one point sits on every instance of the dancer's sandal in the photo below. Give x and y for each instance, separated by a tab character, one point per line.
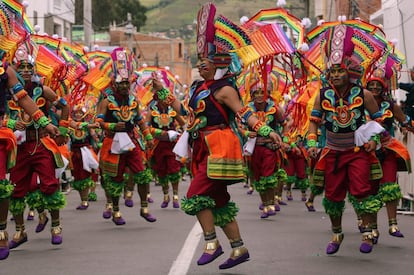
309	206
30	215
117	218
175	203
128	198
4	245
367	242
165	202
238	255
212	251
107	213
335	243
56	235
375	236
395	231
43	220
146	215
83	206
20	237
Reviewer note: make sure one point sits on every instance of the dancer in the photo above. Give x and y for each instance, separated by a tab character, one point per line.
393	155
163	120
216	156
39	153
343	167
118	115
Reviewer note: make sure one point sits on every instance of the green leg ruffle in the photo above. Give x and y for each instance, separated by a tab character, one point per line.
17	206
55	201
114	189
334	209
317	190
226	214
163	181
291	179
389	192
195	204
369	205
6	189
174	178
35	200
80	185
302	184
281	175
143	177
265	183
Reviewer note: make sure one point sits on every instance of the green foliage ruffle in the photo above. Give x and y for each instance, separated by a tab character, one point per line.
55	201
225	214
317	190
265	183
369	205
112	188
302	184
174	178
80	185
291	179
163	180
281	175
35	200
143	177
389	192
195	204
17	206
334	209
6	189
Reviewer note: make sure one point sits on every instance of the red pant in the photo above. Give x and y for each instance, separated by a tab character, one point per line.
41	162
163	161
347	171
264	162
296	165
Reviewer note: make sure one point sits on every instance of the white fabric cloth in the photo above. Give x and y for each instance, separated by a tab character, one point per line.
20	136
121	143
364	133
172	135
59	171
248	147
88	161
181	147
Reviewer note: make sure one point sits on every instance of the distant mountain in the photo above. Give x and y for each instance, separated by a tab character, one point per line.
177	15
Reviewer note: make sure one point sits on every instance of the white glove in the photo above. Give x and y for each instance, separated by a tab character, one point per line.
172	135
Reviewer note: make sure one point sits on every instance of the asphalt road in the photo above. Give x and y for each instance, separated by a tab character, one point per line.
291	243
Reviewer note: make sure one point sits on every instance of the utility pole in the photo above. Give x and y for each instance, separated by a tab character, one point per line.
87	22
129	30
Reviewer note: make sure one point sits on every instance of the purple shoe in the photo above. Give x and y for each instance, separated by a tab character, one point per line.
150	200
148	217
117	219
282	203
395	231
14	244
332	248
129	203
249	192
264	215
208	258
30	215
365	248
277	207
303	198
309	206
289	197
41	226
82	207
56	235
164	204
176	204
271	212
261	206
4	252
107	214
229	263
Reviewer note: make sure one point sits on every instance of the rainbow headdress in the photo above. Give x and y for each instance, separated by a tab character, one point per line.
122	65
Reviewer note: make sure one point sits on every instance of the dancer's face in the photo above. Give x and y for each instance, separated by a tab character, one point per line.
206	68
375	87
25	70
338	76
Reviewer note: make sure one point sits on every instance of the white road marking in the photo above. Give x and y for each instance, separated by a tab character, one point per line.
184	258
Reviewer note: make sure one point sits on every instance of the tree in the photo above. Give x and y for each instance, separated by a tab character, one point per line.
105	12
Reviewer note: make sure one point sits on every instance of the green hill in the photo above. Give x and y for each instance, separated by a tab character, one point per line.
173	15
